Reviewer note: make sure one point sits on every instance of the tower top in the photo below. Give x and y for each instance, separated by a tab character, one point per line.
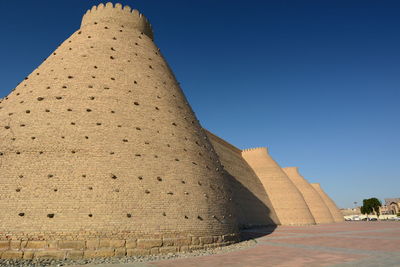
117	14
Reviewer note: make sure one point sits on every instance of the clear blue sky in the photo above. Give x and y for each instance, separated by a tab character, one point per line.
318	82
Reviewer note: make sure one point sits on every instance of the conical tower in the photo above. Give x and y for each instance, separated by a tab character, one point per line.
254	208
336	214
101	154
288	202
317	206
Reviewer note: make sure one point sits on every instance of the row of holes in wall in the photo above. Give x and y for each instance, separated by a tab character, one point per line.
114	38
128	215
70	77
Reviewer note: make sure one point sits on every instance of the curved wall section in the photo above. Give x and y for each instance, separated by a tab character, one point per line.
101	150
289	204
253	206
317	206
336	214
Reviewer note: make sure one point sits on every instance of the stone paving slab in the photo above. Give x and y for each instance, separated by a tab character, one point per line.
265	255
344	244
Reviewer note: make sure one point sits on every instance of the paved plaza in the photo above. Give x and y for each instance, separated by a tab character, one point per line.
340	244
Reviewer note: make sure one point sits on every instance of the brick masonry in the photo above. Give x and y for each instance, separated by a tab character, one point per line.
102	155
317	206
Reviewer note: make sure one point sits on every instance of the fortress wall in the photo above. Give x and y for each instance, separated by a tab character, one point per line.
130	18
288	202
252	203
317	206
101	154
335	212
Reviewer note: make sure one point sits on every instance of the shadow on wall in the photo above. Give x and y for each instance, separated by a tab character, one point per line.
250	209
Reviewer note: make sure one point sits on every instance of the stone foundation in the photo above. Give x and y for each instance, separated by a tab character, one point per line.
101	248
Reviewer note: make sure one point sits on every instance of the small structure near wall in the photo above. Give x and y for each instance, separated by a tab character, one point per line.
391	206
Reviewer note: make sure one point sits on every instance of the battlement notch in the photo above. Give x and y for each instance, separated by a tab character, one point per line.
117	14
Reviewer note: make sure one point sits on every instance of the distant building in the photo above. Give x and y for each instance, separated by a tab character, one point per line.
351	211
391	206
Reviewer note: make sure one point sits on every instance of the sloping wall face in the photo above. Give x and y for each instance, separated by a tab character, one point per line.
317	206
100	143
335	212
289	204
252	203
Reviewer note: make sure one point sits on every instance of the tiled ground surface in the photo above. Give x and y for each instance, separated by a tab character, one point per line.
343	244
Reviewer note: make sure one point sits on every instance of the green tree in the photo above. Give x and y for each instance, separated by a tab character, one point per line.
370	205
366	207
375	205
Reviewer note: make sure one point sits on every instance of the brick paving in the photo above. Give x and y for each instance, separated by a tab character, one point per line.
342	244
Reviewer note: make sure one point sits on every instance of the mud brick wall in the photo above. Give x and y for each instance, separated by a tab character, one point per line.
253	206
335	212
100	142
288	202
317	206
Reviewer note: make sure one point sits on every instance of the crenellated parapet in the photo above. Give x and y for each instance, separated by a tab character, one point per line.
117	14
256	149
293	171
